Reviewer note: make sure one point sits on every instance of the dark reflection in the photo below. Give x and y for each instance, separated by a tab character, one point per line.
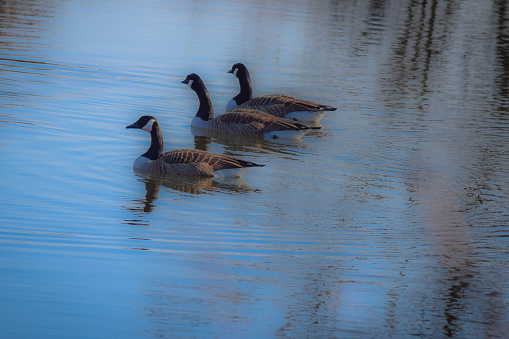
16	14
374	20
21	24
202	142
453	306
152	187
9	119
416	47
234	144
186	185
317	314
502	39
420	61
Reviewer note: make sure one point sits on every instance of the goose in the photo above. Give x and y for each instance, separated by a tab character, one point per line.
244	122
184	161
279	105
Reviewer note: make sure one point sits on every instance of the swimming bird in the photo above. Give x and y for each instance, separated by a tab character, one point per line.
242	121
279	105
184	161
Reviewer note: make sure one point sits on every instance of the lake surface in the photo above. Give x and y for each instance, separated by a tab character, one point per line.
392	221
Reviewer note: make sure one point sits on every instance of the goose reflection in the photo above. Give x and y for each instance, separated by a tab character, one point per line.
233	143
182	185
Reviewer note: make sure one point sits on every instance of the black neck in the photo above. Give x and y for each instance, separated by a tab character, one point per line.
246	89
156	143
205	111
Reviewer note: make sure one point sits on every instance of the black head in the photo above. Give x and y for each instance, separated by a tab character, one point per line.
238	69
145	123
192	80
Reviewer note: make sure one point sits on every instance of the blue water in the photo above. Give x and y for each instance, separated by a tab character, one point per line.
390	221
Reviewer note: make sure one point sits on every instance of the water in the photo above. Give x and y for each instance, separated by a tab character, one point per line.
391	221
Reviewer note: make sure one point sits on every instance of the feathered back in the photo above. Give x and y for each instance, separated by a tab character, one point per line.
276	104
182	161
280	105
248	122
216	161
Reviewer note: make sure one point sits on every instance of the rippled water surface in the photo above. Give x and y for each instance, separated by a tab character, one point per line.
390	221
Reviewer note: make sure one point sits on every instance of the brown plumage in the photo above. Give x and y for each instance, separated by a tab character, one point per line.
279	105
249	122
242	121
183	161
196	162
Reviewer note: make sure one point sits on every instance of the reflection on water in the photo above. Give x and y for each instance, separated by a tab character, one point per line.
390	221
236	145
185	185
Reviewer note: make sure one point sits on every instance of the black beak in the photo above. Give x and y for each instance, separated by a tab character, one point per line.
135	125
230	71
185	81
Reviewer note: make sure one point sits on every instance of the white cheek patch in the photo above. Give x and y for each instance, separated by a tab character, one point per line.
190	83
235	71
148	125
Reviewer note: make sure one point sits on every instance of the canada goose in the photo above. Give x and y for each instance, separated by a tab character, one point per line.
184	161
242	121
280	105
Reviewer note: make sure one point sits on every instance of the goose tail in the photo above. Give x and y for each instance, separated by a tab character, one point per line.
252	164
301	126
328	108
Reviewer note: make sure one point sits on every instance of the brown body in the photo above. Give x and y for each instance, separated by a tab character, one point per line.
183	161
279	105
242	121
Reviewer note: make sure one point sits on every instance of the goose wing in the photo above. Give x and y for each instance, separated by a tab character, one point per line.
196	157
259	119
281	103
